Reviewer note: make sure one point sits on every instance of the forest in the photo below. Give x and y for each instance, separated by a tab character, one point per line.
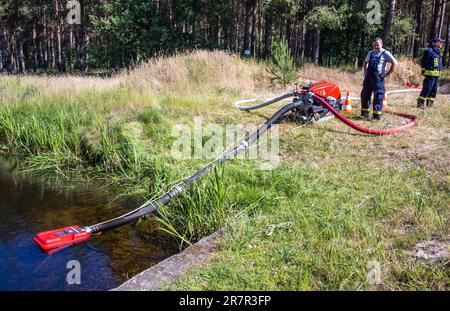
80	35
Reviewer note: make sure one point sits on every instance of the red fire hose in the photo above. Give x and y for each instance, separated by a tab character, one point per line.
321	100
413	120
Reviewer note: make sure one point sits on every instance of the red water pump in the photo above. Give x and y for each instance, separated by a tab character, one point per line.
312	110
325	90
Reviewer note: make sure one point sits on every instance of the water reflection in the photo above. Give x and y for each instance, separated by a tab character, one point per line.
28	207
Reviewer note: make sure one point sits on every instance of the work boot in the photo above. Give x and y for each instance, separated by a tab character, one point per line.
364	115
421	104
377	117
430	103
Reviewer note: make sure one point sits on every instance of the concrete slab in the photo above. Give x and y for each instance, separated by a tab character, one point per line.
173	267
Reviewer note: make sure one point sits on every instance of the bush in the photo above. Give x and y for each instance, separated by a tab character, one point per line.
282	66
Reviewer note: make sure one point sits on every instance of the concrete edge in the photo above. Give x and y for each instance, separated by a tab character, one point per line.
173	267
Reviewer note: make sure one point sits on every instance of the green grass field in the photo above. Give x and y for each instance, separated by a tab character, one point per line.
338	202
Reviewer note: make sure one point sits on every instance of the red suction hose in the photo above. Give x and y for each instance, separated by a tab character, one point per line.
413	120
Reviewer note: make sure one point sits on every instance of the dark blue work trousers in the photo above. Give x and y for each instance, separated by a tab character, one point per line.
429	91
373	84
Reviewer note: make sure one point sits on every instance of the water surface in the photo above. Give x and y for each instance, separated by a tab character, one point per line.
28	207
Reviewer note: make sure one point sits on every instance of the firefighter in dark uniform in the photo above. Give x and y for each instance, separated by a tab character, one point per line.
431	69
374	76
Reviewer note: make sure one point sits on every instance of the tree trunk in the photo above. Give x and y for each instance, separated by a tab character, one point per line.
238	28
254	19
58	36
69	47
417	39
35	52
441	19
61	35
267	35
82	42
1	54
46	48
316	47
389	21
447	42
248	13
20	59
52	47
9	58
260	31
303	41
289	33
436	21
117	57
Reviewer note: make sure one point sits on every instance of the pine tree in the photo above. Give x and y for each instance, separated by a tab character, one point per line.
282	66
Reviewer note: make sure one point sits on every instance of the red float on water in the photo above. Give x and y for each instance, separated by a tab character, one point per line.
53	239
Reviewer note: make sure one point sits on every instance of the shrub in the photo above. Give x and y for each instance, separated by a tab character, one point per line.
282	66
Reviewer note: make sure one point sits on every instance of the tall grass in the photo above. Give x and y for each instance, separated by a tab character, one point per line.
198	72
200	211
79	134
41	128
52	86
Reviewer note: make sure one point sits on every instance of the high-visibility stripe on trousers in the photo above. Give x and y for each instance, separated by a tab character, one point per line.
429	91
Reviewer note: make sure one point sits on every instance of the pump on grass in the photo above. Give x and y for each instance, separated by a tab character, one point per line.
313	111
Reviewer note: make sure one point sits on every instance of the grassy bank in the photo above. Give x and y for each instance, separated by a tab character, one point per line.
118	130
338	201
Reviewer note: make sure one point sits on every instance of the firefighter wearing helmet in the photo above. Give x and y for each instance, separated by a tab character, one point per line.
375	74
431	69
